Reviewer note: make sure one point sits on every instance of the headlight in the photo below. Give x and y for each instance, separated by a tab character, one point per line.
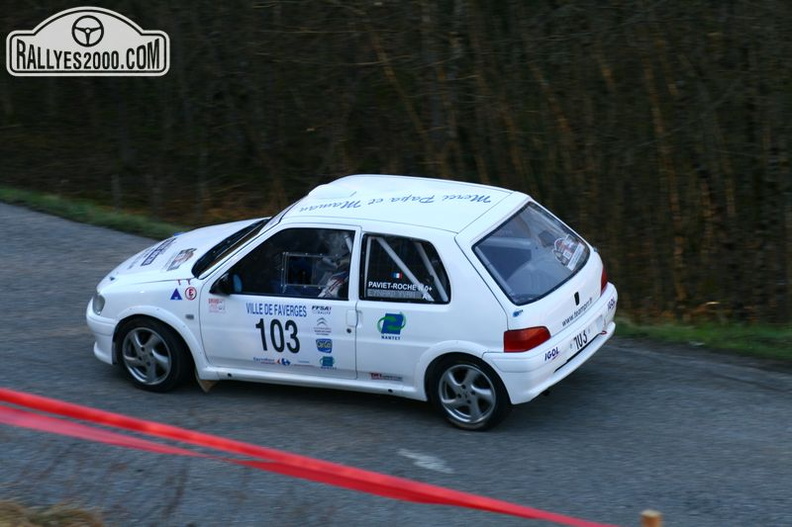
97	303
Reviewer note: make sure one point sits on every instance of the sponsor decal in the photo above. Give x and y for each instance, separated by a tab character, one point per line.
390	326
263	360
276	310
87	42
412	198
386	293
347	204
327	363
190	294
407	198
386	377
217	305
283	362
322	327
321	310
399	286
181	257
552	354
579	311
568	251
156	251
324	345
378	289
473	198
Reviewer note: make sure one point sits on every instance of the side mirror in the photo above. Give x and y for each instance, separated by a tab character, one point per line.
223	286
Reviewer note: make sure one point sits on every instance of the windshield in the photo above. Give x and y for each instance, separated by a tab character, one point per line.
531	254
217	252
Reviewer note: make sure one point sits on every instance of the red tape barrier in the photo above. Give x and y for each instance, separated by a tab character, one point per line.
263	458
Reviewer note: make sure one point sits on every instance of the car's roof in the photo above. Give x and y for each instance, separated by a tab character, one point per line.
436	203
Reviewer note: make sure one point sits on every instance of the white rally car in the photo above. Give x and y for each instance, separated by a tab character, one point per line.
469	296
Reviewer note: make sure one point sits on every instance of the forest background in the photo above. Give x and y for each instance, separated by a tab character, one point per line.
660	130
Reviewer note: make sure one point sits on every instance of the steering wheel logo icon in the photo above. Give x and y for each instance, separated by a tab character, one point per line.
87	31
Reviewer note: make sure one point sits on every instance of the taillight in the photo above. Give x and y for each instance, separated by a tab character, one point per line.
516	340
603	280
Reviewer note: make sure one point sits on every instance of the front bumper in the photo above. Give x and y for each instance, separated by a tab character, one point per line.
103	330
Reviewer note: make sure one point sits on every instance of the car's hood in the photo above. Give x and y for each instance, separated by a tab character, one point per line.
174	257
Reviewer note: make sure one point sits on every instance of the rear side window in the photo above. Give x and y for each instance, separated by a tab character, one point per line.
399	269
531	254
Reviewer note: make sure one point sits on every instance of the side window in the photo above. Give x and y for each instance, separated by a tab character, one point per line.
297	263
398	269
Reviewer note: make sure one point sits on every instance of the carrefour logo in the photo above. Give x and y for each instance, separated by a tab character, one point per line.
87	41
390	325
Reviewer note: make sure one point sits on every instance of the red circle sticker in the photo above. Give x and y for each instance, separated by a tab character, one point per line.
190	293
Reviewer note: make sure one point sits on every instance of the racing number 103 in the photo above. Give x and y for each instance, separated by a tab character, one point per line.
278	337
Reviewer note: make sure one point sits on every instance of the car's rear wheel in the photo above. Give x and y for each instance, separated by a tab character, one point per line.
153	356
469	394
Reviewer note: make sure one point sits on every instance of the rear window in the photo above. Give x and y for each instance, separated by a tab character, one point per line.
531	254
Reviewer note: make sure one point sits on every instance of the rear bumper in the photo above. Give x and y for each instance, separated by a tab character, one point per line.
526	375
521	391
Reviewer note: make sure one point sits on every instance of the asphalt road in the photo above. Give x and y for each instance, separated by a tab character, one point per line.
704	438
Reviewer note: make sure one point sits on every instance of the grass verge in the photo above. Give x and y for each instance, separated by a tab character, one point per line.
764	342
86	212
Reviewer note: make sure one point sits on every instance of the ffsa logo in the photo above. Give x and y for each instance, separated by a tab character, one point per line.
87	41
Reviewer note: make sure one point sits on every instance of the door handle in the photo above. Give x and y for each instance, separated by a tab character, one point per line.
352	317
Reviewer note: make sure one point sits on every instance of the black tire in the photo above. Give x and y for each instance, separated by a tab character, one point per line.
468	393
152	355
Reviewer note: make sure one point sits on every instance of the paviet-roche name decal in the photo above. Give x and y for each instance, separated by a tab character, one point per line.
87	41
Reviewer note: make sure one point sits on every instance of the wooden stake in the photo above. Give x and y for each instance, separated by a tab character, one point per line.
650	518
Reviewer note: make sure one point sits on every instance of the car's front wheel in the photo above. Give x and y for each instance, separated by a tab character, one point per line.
469	394
153	356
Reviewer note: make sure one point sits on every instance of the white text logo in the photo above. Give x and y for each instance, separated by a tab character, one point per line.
87	41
